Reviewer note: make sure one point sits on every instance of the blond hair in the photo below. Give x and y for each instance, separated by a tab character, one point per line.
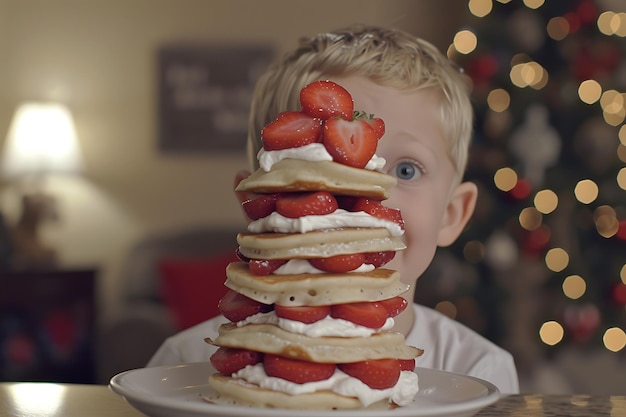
388	57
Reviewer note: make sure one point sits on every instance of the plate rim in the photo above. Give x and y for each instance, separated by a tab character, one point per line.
133	397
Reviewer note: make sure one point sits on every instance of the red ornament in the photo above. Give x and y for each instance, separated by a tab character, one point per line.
619	294
521	190
581	321
535	242
621	231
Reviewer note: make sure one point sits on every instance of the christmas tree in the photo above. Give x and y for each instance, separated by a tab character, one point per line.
542	264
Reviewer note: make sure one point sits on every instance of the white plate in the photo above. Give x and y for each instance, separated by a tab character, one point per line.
169	391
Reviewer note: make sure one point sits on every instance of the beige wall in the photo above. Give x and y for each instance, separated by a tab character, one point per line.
97	56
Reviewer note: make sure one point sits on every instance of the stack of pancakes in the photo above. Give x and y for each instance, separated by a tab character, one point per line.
311	289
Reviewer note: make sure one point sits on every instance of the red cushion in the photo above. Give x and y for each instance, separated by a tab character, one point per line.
192	287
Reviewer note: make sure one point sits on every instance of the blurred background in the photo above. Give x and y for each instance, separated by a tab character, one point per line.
105	247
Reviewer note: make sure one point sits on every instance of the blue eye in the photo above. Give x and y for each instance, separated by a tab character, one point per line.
407	171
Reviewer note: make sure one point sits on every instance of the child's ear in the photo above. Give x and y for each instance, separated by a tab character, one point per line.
459	210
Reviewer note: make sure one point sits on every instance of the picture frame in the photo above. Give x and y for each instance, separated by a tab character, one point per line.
204	95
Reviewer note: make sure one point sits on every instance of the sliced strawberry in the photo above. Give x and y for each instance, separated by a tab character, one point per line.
294	205
379	259
407	364
346	202
368	314
378	125
325	99
394	305
236	307
304	314
339	263
265	266
351	143
295	370
260	207
375	373
377	209
291	129
229	360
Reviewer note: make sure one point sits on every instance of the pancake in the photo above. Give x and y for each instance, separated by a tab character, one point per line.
315	289
268	338
301	175
238	392
317	244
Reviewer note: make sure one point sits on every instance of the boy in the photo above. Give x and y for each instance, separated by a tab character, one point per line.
424	102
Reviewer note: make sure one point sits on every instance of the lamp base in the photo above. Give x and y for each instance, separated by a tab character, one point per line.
29	252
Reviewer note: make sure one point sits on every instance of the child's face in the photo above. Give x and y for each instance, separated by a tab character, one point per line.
414	147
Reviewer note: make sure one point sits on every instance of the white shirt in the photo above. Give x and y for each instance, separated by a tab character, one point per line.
448	346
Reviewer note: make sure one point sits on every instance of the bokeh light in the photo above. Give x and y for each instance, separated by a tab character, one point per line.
498	100
622	274
529	74
505	179
622	135
480	8
551	333
614	339
465	41
590	91
586	191
530	218
557	259
474	251
546	201
605	219
558	28
621	178
446	307
574	287
534	4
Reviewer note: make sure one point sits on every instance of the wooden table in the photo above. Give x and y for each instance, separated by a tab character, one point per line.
76	400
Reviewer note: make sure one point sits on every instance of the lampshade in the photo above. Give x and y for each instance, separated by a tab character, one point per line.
41	140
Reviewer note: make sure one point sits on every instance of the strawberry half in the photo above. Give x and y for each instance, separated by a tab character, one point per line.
265	266
375	373
339	263
230	360
295	370
350	142
376	209
298	204
260	207
291	129
325	99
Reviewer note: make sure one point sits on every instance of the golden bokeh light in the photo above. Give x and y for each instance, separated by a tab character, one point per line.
505	179
498	100
586	191
612	101
611	23
529	74
574	287
551	333
557	259
622	135
530	218
621	178
614	339
621	152
465	41
474	251
605	219
480	8
589	91
558	28
622	274
546	201
614	119
447	308
534	4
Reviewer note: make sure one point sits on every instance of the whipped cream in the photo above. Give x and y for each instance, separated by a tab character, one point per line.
302	266
327	326
278	223
340	382
315	152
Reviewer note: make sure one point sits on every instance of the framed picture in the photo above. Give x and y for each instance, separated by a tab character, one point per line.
204	95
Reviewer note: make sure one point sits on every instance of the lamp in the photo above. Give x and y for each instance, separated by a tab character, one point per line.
41	141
